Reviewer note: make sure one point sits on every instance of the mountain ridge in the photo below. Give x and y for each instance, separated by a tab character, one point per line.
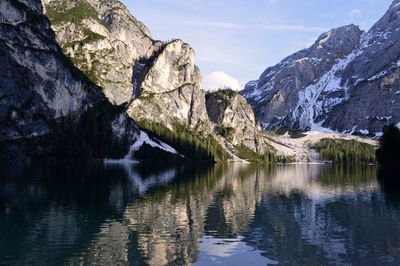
342	97
127	85
106	83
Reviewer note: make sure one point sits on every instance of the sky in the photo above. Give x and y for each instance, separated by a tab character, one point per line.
236	40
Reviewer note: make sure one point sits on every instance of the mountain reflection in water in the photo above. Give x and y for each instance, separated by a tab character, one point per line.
142	214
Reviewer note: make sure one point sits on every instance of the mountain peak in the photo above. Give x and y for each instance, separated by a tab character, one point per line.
338	35
335	83
395	3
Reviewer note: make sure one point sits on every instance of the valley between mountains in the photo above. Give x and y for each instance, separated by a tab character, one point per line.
86	79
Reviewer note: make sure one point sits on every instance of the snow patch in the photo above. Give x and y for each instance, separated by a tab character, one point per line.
353	130
398	125
143	139
378	76
319	128
314	100
383	118
364	131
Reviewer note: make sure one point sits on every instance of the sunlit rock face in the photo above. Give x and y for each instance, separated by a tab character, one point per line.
103	40
235	119
158	82
336	82
168	89
39	86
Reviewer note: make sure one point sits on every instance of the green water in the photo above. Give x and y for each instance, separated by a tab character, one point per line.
197	214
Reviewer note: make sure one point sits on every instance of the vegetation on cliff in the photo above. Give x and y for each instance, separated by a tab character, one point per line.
224	96
269	156
91	135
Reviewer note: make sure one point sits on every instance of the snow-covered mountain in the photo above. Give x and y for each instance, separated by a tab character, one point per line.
347	81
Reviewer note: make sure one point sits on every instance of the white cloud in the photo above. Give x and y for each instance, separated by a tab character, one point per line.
355	13
218	80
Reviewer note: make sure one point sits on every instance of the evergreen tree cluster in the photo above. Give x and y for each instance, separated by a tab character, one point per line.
226	132
346	151
224	96
246	153
89	136
186	141
389	145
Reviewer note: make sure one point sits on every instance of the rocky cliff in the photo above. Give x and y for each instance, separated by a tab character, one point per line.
44	99
335	83
158	82
168	89
234	119
103	40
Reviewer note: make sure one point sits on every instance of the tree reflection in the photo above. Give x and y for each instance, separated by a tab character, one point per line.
389	180
141	214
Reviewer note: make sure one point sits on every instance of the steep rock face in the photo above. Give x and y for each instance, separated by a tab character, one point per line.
41	93
278	91
103	40
234	119
373	79
344	96
161	86
168	89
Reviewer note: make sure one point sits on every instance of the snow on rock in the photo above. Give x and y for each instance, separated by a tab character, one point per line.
384	118
314	100
305	86
338	80
144	139
378	76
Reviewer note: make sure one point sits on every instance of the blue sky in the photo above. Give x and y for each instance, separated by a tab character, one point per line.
239	39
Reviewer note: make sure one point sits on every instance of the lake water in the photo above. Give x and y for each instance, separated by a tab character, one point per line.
149	214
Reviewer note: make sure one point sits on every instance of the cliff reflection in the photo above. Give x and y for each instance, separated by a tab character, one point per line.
180	214
167	223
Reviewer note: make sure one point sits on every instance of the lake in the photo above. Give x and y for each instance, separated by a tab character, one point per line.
233	214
